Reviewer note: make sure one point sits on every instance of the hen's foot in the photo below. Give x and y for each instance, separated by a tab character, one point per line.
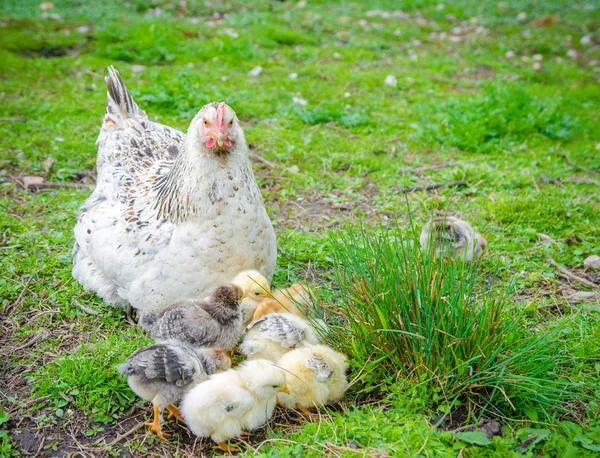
174	412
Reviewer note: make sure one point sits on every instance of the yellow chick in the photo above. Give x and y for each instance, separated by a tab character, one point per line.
256	289
316	376
273	335
284	300
233	402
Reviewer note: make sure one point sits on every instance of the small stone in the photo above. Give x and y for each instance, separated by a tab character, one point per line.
592	262
346	95
299	101
440	7
59	139
537	66
293	76
137	68
293	169
47	164
224	78
586	40
537	57
598	146
510	54
83	29
336	55
572	54
256	71
45	6
522	16
391	80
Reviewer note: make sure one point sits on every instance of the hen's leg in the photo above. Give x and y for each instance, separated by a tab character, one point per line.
155	424
174	412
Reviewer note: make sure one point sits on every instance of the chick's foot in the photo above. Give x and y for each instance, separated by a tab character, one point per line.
174	413
224	446
155	425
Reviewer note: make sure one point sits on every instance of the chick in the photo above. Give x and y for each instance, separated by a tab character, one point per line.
284	300
316	375
454	238
256	288
273	335
233	402
215	322
163	372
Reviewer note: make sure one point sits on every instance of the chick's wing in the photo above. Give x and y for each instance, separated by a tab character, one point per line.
278	328
170	363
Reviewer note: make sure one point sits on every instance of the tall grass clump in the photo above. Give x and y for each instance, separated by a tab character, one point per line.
401	313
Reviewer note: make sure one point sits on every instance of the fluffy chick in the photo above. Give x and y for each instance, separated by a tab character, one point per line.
235	401
453	237
163	372
284	300
215	322
316	375
273	335
256	288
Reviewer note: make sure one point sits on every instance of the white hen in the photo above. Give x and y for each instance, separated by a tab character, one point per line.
172	214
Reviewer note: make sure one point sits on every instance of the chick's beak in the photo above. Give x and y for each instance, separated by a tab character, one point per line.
285	389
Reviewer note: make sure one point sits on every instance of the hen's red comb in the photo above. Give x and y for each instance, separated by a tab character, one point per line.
220	116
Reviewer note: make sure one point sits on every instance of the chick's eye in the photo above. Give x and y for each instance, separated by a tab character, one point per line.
231	123
257	294
276	386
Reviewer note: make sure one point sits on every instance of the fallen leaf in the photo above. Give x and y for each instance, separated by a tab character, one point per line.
544	21
256	71
47	164
293	169
391	80
299	101
31	181
592	262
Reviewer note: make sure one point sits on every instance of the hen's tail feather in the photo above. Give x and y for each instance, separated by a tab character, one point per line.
119	103
147	321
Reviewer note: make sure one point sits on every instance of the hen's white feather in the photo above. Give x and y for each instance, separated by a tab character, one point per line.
168	219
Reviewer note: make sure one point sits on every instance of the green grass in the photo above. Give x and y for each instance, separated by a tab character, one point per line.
497	124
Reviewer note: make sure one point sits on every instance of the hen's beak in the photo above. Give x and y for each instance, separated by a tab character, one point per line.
221	139
285	390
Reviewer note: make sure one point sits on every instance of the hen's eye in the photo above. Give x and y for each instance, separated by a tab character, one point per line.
206	124
231	122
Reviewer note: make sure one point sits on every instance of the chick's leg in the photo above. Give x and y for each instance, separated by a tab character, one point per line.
226	447
155	424
304	410
174	413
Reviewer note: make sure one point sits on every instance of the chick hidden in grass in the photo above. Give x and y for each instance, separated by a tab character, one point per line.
273	335
163	372
215	322
316	376
233	402
453	237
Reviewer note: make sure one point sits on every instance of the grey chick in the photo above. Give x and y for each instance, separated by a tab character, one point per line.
453	237
162	373
214	322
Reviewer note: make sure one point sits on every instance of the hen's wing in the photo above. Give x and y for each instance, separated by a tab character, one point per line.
278	328
168	362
